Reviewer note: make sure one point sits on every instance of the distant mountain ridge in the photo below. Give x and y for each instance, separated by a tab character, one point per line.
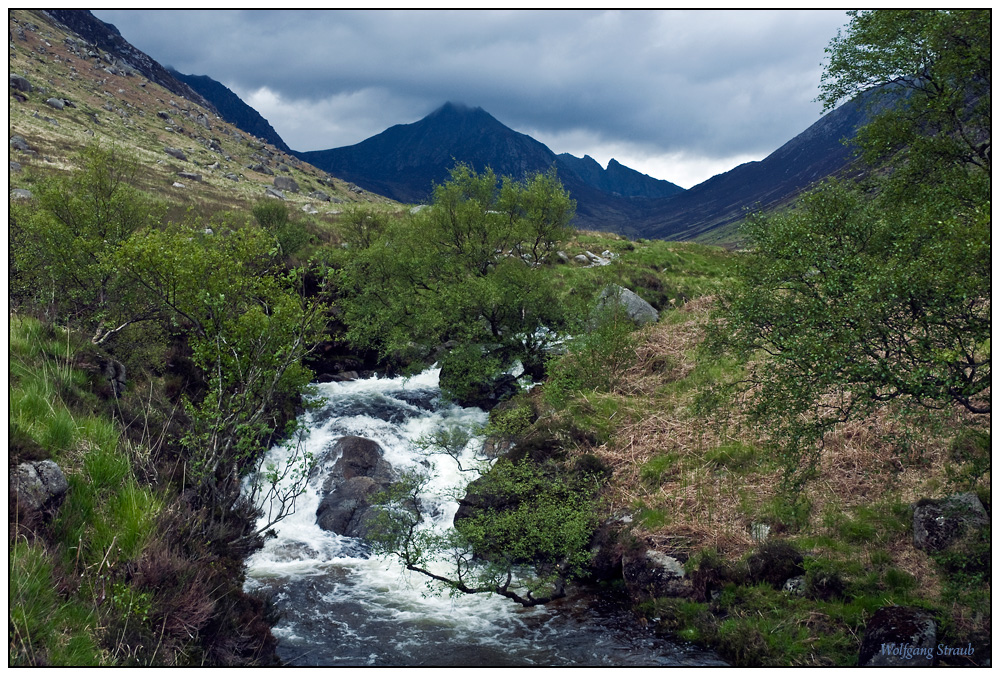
406	160
820	151
232	108
618	179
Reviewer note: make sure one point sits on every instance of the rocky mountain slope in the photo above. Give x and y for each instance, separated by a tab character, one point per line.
710	210
74	81
232	108
112	90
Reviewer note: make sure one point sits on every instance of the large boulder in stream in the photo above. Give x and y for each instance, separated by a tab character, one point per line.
359	473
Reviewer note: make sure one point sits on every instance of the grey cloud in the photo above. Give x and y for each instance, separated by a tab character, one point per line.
714	83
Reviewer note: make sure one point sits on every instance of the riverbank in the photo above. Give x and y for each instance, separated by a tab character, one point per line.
697	485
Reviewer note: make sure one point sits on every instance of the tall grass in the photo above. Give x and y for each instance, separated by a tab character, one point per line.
107	518
45	628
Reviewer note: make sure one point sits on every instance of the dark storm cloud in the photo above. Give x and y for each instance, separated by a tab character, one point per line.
692	84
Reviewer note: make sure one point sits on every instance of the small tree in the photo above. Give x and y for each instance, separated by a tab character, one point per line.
464	270
527	536
250	329
879	290
63	245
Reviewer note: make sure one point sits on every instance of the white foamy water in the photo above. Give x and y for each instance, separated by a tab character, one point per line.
341	607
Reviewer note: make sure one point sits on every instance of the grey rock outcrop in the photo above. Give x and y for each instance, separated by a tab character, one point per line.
273	192
58	104
35	486
17	142
114	373
19	83
898	636
286	183
177	153
189	175
638	310
937	524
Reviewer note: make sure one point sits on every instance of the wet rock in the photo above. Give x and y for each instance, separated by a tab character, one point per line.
898	636
426	400
359	473
938	524
356	456
347	510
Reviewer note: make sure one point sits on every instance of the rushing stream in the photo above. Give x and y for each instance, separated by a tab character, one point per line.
340	607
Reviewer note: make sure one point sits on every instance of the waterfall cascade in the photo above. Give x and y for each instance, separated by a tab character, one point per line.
340	607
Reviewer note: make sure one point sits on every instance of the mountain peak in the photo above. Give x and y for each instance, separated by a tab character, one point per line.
455	108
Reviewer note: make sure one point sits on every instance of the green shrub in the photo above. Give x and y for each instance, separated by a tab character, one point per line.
972	451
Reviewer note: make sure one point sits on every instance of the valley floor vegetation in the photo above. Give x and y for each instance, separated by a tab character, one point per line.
780	420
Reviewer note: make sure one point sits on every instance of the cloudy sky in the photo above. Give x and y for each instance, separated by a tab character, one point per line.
679	95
